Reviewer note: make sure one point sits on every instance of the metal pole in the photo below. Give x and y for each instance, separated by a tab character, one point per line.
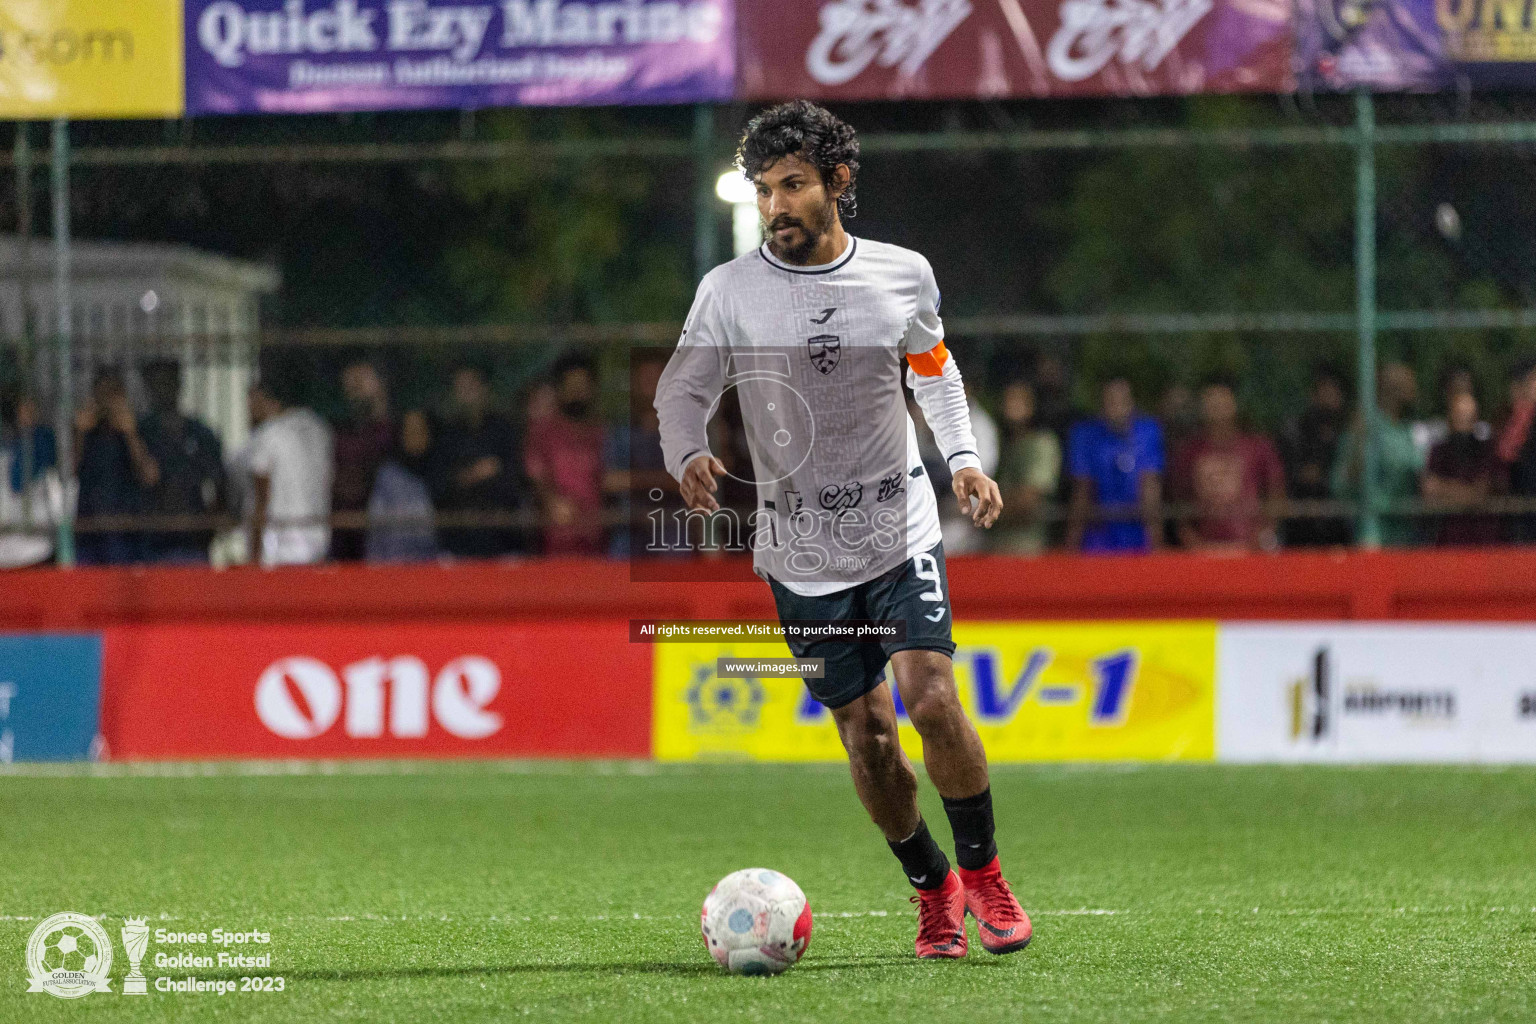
26	445
1369	533
703	191
63	414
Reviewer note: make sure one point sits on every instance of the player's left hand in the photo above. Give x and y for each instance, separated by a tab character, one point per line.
969	483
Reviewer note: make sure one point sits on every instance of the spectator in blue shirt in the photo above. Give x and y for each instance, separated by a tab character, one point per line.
27	442
1116	464
400	511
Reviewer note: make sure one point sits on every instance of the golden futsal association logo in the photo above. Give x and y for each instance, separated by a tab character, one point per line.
69	956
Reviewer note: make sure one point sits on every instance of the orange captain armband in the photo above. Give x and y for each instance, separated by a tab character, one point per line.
930	363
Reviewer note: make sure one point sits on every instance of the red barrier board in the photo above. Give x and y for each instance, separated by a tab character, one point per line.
412	689
1470	585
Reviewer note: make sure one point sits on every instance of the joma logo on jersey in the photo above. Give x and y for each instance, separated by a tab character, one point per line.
826	349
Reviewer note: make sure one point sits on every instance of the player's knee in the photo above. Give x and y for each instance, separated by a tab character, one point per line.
934	705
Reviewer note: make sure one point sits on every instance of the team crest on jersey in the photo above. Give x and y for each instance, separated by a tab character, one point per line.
826	349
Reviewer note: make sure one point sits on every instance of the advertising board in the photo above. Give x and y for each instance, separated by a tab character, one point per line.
50	694
252	56
90	58
396	689
1356	692
1037	691
923	49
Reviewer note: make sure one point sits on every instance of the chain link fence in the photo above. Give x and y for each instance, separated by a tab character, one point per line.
1272	243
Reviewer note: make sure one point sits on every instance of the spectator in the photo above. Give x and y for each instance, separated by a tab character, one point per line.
1460	473
30	494
1517	447
115	472
1116	463
1233	479
1311	443
1028	474
28	443
1430	432
190	462
291	474
1053	395
565	463
1179	419
1178	415
1398	460
477	469
362	443
541	403
635	467
400	513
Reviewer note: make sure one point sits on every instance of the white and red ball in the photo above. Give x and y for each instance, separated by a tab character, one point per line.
756	921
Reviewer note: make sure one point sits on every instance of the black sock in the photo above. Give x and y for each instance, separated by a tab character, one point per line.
971	821
922	860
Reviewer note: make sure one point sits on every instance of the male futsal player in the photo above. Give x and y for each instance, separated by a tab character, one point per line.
811	330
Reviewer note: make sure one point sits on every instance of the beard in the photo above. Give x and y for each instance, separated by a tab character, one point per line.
812	229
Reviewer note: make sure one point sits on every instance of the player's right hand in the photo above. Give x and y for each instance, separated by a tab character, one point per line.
698	483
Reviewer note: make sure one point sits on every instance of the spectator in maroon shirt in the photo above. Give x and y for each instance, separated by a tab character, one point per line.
1232	478
1517	448
1461	472
363	441
565	462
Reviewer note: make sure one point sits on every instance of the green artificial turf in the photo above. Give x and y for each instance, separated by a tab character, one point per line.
559	892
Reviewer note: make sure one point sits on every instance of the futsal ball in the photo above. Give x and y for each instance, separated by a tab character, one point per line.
756	921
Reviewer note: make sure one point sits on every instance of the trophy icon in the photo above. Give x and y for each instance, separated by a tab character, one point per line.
135	940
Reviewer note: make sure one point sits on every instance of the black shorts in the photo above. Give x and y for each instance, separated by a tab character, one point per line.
915	592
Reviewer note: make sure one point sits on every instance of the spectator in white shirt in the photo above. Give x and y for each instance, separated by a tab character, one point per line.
291	466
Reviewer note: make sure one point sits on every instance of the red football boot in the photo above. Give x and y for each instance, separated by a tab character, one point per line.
1000	921
941	920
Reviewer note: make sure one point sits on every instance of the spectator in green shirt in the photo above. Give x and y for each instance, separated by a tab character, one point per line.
1399	462
1028	472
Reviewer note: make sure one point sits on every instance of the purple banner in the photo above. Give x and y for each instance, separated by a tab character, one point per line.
1415	45
298	56
1386	45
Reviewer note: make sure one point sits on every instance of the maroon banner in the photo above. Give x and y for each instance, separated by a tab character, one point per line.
388	689
941	49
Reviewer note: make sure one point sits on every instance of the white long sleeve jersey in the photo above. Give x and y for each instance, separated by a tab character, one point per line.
817	355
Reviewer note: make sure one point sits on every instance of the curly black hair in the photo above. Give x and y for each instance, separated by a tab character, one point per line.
814	134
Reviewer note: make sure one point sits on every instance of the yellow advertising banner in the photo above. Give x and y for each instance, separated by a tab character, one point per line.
90	59
1037	691
1488	31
